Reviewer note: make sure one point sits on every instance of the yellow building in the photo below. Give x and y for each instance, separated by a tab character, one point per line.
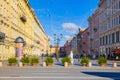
17	18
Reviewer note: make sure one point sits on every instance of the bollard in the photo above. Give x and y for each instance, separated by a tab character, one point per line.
0	64
44	64
66	64
89	64
114	64
20	64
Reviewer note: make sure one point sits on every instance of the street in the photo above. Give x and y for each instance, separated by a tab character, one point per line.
54	73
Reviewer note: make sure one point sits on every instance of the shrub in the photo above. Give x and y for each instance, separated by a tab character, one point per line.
102	60
12	60
84	60
66	59
34	60
25	60
49	60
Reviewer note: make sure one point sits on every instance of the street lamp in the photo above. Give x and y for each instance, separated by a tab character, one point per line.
57	39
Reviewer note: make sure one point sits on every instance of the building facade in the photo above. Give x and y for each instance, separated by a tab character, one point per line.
67	46
94	33
17	18
109	25
86	42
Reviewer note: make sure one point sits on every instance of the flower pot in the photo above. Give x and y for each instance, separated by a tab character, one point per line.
84	64
34	64
25	64
102	64
12	64
49	65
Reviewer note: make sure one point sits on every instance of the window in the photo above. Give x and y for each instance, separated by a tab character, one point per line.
100	41
113	38
106	39
119	19
103	40
117	36
109	39
119	5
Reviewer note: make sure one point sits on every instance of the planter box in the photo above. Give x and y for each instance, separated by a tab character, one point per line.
34	64
25	64
84	64
102	64
49	65
12	64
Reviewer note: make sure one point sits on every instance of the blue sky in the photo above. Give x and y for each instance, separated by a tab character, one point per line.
63	16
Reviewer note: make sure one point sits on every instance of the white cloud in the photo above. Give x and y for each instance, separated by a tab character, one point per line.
67	37
70	27
51	38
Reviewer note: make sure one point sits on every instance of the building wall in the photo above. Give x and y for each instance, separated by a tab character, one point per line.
94	33
109	25
67	46
10	23
85	42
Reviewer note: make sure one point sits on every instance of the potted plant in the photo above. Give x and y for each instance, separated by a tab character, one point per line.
84	61
49	61
102	61
25	61
34	61
12	61
66	59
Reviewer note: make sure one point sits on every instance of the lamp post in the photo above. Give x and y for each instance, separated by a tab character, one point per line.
57	39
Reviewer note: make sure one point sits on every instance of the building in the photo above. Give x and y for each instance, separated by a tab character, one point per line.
67	46
76	43
86	42
109	25
17	18
73	44
94	33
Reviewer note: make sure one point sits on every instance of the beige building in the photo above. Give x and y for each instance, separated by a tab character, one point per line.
17	18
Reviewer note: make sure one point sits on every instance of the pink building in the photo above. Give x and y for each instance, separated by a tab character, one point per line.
86	42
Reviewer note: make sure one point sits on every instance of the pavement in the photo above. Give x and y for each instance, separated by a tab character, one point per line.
52	73
57	72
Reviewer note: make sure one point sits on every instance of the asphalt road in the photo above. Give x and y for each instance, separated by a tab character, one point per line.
54	73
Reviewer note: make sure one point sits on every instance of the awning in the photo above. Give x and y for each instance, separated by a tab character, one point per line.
117	51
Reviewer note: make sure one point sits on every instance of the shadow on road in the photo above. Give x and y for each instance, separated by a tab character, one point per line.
112	75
